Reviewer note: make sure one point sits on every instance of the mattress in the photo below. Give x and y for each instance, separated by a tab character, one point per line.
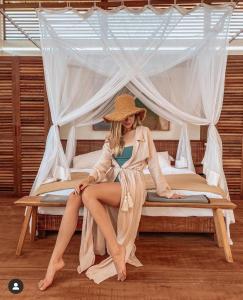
155	211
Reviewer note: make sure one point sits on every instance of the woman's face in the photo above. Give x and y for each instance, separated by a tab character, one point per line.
128	122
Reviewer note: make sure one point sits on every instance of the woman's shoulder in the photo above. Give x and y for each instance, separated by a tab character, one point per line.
144	133
144	129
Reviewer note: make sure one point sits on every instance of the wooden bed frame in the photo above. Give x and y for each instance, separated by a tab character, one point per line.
49	223
147	224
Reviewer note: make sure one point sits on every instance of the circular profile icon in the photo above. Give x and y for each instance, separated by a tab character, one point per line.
15	286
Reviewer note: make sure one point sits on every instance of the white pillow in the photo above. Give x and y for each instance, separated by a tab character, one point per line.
181	163
164	159
87	160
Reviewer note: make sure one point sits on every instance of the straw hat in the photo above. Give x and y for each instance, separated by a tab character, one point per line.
124	107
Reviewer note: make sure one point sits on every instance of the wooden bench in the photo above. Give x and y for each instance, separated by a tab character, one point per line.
217	205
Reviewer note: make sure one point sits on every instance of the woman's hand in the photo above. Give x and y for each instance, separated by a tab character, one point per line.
176	196
173	196
82	184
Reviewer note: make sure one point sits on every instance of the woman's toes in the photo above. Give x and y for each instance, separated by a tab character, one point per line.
53	267
44	284
119	260
40	283
122	276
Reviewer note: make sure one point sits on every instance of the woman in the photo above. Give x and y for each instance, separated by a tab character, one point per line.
116	181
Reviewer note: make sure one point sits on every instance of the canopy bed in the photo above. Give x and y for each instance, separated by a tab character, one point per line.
88	58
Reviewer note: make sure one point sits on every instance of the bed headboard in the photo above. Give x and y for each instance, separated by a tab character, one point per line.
197	146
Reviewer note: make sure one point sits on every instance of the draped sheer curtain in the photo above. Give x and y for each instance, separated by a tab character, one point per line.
88	58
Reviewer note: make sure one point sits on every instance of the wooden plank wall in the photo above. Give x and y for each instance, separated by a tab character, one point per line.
33	111
24	123
7	127
230	126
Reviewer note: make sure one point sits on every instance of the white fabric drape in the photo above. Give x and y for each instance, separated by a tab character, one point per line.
184	153
184	148
89	57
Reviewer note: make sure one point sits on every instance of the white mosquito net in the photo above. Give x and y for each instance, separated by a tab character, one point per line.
89	57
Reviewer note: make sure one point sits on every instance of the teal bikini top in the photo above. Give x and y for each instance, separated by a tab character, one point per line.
124	156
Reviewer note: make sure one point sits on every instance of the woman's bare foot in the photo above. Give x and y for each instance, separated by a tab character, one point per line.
119	261
53	267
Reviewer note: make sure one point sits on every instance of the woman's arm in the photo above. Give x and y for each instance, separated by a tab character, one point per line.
103	164
162	187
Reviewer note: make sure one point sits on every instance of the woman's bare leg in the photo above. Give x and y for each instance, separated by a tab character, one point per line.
66	230
109	193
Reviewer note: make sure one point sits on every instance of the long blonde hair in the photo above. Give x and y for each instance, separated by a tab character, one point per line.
115	136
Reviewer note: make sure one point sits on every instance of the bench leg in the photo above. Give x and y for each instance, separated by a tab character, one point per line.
219	219
217	233
24	230
34	223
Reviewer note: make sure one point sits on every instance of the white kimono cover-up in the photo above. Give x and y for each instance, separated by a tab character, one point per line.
126	218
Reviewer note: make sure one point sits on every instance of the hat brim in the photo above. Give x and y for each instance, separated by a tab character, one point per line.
121	115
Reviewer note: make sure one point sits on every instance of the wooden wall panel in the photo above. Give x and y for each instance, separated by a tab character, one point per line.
230	126
7	128
233	164
32	118
231	118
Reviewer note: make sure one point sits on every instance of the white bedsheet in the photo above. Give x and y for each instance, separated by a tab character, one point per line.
156	211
